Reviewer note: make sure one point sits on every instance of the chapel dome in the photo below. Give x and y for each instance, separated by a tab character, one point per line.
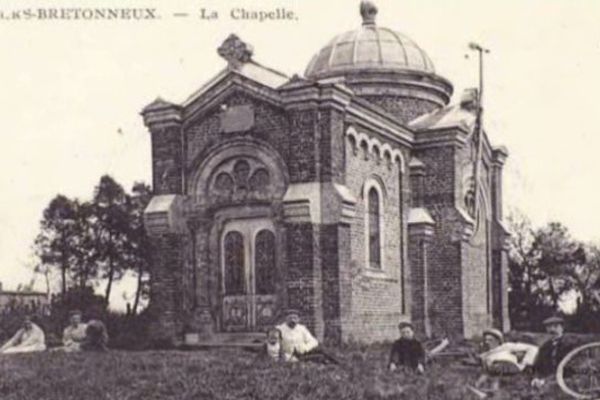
369	47
384	67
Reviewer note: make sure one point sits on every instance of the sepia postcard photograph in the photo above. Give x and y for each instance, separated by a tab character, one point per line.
299	199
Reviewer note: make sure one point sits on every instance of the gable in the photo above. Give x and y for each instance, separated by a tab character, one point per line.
238	113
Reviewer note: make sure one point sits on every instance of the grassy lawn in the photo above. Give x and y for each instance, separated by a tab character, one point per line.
231	374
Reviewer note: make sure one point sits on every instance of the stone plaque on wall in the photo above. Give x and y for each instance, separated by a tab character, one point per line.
237	119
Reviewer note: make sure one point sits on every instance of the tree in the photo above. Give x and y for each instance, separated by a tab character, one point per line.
84	270
560	254
547	266
139	245
585	277
111	229
54	243
524	275
96	241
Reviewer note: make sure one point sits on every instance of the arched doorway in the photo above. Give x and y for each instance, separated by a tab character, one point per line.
240	186
249	274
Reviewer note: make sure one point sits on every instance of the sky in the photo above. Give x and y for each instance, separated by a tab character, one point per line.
71	93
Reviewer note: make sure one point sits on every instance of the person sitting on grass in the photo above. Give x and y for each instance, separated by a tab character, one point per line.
298	344
501	359
273	349
96	337
551	352
407	352
74	334
30	338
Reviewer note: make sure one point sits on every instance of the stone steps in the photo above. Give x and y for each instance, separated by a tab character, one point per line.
248	340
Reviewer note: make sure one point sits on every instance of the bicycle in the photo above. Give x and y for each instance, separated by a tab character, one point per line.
578	374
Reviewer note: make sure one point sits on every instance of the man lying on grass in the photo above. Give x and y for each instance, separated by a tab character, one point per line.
30	338
298	344
501	359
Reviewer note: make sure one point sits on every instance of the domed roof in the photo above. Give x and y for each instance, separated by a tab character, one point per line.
370	47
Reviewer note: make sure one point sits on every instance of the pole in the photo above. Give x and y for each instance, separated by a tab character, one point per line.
478	127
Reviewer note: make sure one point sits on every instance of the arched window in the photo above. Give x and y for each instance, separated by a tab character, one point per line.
234	263
264	262
374	228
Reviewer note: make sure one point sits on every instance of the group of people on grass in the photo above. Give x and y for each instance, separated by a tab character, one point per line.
77	336
293	342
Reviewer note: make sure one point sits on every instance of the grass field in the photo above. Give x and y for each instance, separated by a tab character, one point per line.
232	374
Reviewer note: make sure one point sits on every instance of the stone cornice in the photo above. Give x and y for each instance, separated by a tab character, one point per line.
302	203
500	236
416	167
499	155
164	215
161	114
420	224
443	137
440	88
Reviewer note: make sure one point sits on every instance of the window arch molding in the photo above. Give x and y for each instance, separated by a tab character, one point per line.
374	223
361	141
204	165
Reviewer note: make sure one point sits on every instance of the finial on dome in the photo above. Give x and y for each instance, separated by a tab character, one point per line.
368	11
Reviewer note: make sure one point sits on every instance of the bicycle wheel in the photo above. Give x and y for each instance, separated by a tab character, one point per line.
578	374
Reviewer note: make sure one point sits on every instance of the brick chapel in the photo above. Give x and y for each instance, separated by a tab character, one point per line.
347	193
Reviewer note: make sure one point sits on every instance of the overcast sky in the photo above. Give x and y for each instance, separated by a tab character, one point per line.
68	87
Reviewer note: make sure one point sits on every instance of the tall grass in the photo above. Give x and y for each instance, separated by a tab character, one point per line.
232	374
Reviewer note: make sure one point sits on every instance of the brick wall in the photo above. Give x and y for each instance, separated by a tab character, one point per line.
444	264
303	277
166	160
404	108
167	252
443	257
376	297
336	280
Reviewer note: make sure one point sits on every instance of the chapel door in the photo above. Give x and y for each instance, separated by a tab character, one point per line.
249	272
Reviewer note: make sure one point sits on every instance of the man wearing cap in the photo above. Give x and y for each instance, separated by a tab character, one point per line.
30	338
296	339
503	358
74	334
551	352
407	351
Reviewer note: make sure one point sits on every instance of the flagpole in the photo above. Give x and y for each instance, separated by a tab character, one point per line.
478	126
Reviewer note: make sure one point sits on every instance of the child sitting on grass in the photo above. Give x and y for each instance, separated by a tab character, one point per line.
273	348
96	337
407	352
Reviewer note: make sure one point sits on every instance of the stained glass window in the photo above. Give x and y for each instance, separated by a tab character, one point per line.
264	262
374	229
234	263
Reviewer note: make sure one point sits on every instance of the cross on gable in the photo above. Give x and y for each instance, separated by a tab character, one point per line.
235	51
